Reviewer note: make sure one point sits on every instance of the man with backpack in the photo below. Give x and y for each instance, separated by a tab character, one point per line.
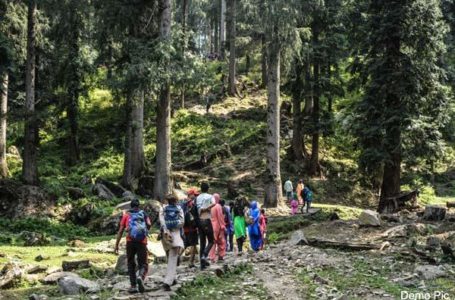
204	203
136	222
307	196
191	223
171	220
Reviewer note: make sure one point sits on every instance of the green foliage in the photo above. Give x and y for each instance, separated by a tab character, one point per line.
45	226
404	106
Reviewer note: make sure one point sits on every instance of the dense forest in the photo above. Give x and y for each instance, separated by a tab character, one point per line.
104	100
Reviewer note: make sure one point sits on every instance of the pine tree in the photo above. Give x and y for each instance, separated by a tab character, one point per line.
404	106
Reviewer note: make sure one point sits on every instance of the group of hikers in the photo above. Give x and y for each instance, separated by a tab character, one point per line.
302	196
201	218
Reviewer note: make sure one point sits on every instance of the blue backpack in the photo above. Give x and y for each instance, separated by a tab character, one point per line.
171	217
137	226
307	194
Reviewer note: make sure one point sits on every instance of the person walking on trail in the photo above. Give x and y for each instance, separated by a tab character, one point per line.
254	229
190	224
294	206
171	220
229	234
288	188
137	223
307	196
219	228
263	225
239	222
204	203
298	191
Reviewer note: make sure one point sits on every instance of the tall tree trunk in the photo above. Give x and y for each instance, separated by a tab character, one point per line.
185	8
3	116
29	166
217	36
134	144
73	93
314	162
392	143
232	91
163	183
297	140
248	63
223	29
263	60
273	193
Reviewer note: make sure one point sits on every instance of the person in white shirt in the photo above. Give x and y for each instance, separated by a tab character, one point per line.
288	188
204	203
171	220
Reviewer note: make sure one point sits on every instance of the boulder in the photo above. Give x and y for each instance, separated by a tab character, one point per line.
35	269
433	242
429	272
116	189
128	196
434	213
448	248
369	218
38	297
298	238
9	275
81	215
42	257
102	192
34	239
54	277
122	265
19	201
75	265
75	193
106	225
74	285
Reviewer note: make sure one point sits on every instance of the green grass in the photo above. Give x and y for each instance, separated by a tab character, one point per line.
208	287
56	255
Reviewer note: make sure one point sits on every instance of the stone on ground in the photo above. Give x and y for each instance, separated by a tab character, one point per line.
102	192
75	265
298	238
369	218
434	213
74	285
54	277
10	273
429	272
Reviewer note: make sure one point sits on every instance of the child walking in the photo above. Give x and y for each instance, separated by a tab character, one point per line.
294	206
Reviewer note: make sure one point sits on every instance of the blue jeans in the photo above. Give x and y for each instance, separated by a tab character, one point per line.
289	195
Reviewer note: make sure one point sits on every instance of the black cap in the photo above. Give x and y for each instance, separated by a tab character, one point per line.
135	203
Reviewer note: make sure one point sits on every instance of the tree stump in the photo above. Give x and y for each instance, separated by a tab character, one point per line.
434	213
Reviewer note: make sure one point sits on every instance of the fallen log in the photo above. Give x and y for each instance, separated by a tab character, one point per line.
396	203
315	242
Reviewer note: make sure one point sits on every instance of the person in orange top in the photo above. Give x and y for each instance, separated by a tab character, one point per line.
298	191
136	222
219	227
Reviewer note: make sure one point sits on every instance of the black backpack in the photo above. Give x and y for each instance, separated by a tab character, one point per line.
191	216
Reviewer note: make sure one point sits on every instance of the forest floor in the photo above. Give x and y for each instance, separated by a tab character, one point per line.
286	269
